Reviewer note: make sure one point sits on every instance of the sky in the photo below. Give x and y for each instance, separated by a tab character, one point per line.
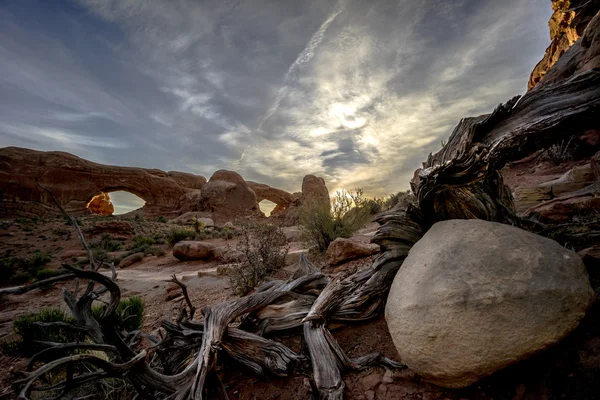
356	91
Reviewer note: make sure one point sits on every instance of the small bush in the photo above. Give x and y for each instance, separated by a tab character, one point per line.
129	313
265	249
30	333
560	152
161	219
47	273
322	224
107	243
155	251
140	241
178	234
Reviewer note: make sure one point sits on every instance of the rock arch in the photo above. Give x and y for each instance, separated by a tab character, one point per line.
74	181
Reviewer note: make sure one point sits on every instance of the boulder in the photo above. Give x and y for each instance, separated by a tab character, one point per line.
591	256
473	297
193	250
227	196
342	250
131	259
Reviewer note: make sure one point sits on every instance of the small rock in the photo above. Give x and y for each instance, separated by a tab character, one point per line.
293	257
370	394
388	377
370	381
130	260
342	250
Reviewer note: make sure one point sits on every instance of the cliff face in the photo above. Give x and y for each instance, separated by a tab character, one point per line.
566	25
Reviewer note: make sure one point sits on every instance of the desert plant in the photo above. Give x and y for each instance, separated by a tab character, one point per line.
322	224
140	241
161	219
37	327
106	243
46	273
264	247
179	234
560	152
129	314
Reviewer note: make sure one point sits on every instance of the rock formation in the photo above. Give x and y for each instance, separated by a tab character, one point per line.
75	181
473	297
227	196
567	24
193	250
281	198
314	191
82	186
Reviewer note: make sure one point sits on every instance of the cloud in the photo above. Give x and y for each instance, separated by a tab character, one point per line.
356	91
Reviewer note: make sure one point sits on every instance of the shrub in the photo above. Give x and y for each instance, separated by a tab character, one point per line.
46	273
265	249
322	224
30	333
560	152
107	243
161	219
18	270
140	241
129	313
178	234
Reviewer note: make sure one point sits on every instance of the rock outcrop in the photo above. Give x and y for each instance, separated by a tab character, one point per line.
342	250
75	181
227	196
567	25
314	192
473	297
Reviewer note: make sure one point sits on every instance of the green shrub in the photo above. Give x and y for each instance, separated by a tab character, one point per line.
155	251
322	224
161	219
107	243
178	234
140	241
129	313
265	249
30	333
46	273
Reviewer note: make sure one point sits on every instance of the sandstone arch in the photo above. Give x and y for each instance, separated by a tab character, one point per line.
75	181
281	198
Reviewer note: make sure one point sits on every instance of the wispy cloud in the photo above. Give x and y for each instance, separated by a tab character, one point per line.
356	91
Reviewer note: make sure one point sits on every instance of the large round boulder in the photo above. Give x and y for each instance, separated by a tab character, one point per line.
473	297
